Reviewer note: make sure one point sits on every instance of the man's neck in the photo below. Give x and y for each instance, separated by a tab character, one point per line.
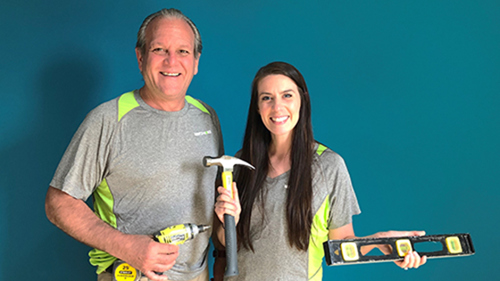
164	104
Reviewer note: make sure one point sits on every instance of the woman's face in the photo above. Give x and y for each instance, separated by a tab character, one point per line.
279	104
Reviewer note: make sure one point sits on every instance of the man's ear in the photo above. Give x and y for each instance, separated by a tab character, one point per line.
196	62
138	54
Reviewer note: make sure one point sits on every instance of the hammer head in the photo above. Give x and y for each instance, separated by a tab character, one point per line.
226	162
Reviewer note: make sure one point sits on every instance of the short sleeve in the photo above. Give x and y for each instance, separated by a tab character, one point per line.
82	166
343	202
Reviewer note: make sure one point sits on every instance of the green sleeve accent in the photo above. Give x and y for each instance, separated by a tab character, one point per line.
101	259
103	208
319	235
126	102
198	104
321	149
103	203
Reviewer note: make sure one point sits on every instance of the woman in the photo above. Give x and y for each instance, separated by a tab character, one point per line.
300	194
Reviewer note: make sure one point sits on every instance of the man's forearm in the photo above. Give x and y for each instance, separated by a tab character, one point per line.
74	217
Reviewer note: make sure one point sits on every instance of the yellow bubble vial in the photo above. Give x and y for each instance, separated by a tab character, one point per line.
453	244
349	251
403	246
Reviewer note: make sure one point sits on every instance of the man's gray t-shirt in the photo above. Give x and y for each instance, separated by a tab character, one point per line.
334	204
144	168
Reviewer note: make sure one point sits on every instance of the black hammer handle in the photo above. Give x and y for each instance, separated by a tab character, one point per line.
231	246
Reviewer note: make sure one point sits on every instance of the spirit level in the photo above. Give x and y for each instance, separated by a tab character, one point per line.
340	252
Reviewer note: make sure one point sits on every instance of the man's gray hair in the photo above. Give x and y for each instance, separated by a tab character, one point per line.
168	14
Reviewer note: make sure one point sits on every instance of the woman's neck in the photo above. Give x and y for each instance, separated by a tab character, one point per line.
279	156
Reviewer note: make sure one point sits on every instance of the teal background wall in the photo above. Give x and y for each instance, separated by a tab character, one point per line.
406	91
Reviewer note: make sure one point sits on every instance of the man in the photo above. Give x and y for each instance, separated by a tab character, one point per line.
140	157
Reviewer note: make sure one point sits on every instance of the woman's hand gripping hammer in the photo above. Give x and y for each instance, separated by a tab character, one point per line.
227	163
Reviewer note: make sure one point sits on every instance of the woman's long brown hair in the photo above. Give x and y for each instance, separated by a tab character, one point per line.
255	150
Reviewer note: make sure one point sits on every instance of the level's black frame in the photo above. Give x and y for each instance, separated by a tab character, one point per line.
333	251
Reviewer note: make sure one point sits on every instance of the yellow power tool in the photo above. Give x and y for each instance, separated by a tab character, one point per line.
176	235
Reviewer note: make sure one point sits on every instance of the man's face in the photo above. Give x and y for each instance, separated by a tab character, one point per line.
168	63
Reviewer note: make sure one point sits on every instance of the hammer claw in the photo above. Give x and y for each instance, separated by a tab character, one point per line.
225	161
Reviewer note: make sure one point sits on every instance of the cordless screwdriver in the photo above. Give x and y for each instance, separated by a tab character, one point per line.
176	235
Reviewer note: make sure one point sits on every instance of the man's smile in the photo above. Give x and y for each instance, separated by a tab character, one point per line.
170	74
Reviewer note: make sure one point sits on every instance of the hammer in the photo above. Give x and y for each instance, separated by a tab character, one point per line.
227	163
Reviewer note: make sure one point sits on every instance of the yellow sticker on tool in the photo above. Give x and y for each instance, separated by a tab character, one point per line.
453	244
173	235
125	272
349	251
403	246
